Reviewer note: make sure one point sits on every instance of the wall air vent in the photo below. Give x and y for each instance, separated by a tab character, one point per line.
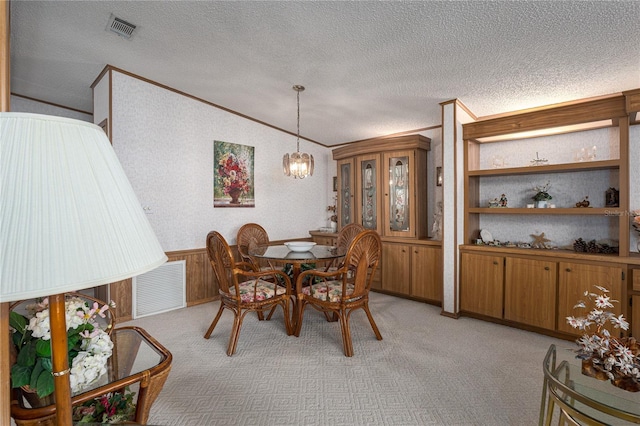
120	27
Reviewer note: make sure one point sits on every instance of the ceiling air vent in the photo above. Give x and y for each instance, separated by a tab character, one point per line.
120	27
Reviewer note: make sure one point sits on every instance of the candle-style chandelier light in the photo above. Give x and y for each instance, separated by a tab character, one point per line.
299	165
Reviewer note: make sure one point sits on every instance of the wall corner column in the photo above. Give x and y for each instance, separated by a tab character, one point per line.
453	116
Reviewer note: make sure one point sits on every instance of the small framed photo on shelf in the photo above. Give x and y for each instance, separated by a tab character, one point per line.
612	198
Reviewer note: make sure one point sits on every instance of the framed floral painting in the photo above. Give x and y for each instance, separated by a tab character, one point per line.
233	184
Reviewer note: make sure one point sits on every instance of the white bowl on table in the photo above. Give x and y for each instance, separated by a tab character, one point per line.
300	246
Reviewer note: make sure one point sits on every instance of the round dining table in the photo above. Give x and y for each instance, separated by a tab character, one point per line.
280	254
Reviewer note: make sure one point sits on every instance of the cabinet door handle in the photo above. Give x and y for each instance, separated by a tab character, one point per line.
495	262
568	269
546	268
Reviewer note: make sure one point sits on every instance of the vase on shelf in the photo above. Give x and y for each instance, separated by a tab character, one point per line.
333	225
541	204
234	193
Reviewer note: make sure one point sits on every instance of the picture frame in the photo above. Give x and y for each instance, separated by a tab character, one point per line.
612	198
233	175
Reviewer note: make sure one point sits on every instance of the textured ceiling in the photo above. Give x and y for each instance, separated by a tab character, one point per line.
370	68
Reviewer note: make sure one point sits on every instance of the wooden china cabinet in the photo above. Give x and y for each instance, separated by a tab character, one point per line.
382	185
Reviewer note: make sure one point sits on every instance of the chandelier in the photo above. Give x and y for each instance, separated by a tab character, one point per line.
299	165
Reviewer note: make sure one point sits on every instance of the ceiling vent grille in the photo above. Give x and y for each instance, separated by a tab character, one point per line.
121	27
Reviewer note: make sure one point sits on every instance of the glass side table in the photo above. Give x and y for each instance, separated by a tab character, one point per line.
138	360
581	397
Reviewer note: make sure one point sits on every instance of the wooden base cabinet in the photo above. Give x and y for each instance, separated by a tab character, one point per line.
482	284
576	278
426	273
396	274
539	292
530	292
412	270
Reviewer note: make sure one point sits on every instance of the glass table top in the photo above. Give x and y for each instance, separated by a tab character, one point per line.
281	252
569	371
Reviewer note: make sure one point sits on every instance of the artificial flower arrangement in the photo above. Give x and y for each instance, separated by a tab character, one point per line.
233	174
334	216
89	346
542	192
605	356
114	407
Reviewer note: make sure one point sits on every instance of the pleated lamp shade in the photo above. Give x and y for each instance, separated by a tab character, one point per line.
69	218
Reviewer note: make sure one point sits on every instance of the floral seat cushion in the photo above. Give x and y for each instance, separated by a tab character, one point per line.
263	291
332	288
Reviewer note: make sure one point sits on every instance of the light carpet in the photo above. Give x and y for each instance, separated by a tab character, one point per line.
428	370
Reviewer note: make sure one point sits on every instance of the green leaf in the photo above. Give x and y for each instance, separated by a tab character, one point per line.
43	348
27	355
74	331
20	375
46	364
72	341
45	384
18	322
37	369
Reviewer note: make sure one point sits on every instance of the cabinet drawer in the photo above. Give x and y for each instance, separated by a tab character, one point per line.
324	241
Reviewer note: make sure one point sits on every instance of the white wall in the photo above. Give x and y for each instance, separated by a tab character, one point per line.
164	141
20	104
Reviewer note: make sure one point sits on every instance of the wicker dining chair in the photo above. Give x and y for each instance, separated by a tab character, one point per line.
242	289
340	293
345	236
251	235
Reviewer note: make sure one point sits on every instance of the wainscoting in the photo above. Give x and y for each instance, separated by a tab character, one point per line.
200	281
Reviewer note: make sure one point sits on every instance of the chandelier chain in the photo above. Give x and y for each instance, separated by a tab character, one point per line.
298	135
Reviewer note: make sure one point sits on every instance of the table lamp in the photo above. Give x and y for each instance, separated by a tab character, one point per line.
69	220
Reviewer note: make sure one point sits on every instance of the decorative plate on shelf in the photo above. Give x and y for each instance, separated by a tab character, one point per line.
486	236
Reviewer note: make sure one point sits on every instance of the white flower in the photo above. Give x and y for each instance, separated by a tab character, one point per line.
96	346
86	369
602	301
40	326
98	342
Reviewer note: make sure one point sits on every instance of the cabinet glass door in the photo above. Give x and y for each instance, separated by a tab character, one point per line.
369	199
346	182
399	193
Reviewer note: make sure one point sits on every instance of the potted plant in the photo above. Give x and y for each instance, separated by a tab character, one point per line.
89	348
604	356
542	195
